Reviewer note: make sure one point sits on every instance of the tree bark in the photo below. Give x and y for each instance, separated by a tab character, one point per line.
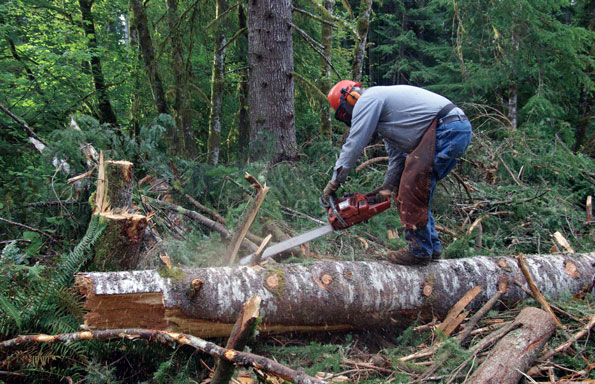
318	296
325	73
217	84
243	90
359	50
183	140
272	112
141	24
516	352
106	113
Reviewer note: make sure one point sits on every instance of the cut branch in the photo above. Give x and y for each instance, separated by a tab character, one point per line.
570	341
247	221
200	219
536	293
370	162
243	330
242	359
22	124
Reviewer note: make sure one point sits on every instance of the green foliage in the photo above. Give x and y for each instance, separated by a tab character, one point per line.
38	299
313	357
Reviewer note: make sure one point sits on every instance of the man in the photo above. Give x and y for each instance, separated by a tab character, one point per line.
425	136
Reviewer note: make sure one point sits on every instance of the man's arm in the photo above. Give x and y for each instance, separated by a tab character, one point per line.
363	125
396	163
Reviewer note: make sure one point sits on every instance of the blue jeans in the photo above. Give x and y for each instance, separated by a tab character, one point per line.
452	140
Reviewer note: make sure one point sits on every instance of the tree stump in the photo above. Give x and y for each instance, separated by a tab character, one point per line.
119	245
118	177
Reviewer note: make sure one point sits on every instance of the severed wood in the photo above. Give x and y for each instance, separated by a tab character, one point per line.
454	318
243	330
244	226
324	295
101	202
561	243
515	353
535	290
477	316
255	260
118	247
242	359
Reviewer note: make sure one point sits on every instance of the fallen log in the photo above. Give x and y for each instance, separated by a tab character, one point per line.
516	352
324	295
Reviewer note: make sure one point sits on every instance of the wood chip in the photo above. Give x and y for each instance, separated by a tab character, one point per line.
561	242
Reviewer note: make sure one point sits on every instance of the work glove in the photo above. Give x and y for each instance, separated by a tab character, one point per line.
330	189
381	193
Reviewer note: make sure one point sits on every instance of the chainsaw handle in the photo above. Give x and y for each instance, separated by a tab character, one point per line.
331	200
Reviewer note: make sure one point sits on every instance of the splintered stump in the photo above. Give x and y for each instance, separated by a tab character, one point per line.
118	176
515	353
119	244
318	296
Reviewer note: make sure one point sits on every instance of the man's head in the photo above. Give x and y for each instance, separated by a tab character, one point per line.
342	98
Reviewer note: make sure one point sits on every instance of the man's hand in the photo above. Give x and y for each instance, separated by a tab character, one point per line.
381	193
330	189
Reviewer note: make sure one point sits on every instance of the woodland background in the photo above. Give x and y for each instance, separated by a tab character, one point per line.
166	85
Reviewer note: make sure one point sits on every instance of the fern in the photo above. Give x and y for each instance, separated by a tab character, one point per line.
32	301
71	263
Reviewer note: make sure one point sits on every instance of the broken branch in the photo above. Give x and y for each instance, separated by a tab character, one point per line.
242	359
245	224
536	293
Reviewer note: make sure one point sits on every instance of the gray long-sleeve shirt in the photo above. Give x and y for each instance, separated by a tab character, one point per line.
400	114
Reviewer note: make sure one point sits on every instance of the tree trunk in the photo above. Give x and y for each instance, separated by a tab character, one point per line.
516	352
141	24
243	90
106	113
325	75
183	140
217	85
320	296
513	98
359	50
272	113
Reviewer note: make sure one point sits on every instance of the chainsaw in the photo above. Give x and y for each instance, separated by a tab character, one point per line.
343	213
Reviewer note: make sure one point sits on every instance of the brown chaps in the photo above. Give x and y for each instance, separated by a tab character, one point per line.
414	189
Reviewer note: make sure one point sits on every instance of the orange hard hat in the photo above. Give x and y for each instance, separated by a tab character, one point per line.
334	96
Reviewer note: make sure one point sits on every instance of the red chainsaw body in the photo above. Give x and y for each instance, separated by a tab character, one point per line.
356	208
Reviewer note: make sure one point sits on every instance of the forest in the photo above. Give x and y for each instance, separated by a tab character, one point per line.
147	148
